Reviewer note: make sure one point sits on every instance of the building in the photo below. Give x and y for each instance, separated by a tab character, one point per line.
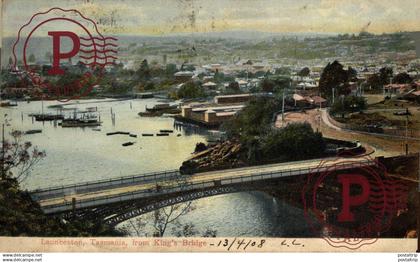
210	85
304	101
183	76
318	101
233	99
210	116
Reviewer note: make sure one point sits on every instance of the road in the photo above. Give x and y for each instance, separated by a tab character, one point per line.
382	145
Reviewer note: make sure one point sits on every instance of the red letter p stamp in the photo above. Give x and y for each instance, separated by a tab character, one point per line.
79	54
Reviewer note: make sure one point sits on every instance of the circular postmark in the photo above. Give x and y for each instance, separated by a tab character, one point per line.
76	58
351	201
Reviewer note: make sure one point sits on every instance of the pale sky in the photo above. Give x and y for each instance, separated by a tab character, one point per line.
158	17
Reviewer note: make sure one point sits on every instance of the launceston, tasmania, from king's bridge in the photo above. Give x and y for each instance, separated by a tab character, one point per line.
210	125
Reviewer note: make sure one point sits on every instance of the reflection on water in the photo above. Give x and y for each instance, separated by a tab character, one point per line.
81	154
250	214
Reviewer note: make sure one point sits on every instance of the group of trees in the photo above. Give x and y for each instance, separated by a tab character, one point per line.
274	83
190	89
377	81
335	76
253	127
293	142
348	104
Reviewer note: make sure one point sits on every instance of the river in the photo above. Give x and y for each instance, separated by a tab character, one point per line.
76	155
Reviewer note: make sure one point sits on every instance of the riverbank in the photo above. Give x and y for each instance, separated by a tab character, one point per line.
233	154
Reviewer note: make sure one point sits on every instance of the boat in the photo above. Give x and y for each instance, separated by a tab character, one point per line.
117	133
147	134
161	107
92	109
128	144
8	103
132	135
179	135
47	117
96	129
80	122
56	106
33	131
158	107
166	131
162	134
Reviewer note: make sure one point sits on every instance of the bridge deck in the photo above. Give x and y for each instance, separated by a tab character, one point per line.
108	192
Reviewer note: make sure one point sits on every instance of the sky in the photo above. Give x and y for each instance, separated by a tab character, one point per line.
160	17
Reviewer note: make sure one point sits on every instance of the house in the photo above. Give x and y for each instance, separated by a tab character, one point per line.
183	76
397	88
413	96
210	85
300	101
318	101
243	84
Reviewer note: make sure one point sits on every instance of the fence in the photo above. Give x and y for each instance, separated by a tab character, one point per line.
50	192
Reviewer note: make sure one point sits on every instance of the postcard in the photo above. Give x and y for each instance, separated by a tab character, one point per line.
210	126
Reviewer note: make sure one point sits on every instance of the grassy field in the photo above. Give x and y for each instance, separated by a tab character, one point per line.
414	109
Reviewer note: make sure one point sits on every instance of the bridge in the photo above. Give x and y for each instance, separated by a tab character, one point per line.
116	200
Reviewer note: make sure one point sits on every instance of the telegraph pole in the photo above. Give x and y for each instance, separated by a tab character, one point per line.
3	151
282	109
406	132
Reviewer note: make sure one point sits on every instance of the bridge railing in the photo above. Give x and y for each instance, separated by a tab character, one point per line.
43	193
225	181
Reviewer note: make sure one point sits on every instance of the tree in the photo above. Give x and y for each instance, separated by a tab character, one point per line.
19	156
352	74
144	71
168	215
170	70
233	87
190	90
149	86
377	81
267	85
402	78
304	72
374	81
334	76
31	58
385	74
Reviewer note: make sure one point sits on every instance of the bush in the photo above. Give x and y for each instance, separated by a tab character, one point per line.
294	142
